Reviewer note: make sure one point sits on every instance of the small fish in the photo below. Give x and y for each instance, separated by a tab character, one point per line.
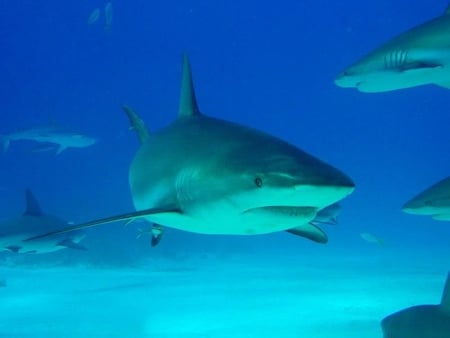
95	14
108	16
371	238
49	135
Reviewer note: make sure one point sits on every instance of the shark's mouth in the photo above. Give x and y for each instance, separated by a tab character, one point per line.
286	211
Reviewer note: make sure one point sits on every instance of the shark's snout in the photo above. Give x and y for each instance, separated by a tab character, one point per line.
326	186
346	79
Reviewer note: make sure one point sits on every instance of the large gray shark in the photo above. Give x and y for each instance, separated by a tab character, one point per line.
206	175
61	139
33	222
434	202
417	57
421	321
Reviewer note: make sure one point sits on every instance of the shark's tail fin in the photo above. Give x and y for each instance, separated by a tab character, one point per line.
4	141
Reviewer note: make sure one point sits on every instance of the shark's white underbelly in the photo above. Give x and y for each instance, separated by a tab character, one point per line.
224	219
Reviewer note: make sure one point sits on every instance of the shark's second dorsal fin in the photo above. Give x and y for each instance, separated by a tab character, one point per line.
188	102
137	124
445	301
32	207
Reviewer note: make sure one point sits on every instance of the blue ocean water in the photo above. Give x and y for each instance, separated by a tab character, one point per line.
263	64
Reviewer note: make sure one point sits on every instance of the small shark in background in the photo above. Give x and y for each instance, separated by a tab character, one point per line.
52	136
417	57
34	221
210	176
421	321
434	202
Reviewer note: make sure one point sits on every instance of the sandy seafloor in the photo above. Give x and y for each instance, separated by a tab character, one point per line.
325	295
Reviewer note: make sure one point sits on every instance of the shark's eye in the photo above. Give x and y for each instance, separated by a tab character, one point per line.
258	182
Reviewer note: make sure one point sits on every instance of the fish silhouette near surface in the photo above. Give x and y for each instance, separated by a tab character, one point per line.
210	176
419	56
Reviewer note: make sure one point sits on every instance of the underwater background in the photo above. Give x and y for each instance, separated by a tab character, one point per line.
268	65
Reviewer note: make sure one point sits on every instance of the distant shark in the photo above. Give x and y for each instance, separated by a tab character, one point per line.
33	222
422	321
434	202
417	57
59	138
206	175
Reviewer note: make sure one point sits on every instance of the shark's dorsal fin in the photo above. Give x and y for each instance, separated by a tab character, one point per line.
32	207
445	301
188	102
137	124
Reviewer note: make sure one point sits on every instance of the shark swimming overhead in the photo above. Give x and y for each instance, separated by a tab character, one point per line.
32	222
434	202
419	56
58	139
210	176
421	321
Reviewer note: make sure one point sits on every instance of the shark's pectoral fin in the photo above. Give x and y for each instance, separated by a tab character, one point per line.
311	232
68	243
112	219
441	217
14	248
60	149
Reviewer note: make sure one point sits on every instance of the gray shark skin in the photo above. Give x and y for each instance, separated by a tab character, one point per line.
32	222
434	202
210	176
422	321
51	137
419	56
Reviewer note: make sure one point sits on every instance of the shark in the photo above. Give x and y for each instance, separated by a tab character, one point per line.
421	321
433	201
207	175
34	221
419	56
56	138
